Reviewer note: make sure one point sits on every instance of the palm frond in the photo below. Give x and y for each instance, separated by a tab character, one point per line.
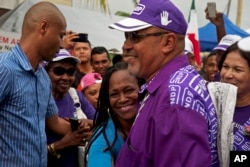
102	4
121	13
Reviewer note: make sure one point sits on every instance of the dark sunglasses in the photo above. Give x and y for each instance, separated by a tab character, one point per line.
61	71
135	37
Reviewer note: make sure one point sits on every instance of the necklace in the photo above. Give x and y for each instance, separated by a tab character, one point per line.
145	98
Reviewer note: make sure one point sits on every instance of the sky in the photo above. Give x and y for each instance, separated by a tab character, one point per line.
184	6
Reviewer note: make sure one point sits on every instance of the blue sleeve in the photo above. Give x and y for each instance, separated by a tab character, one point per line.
87	108
5	80
97	156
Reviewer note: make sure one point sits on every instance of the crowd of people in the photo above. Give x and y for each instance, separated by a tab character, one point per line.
72	105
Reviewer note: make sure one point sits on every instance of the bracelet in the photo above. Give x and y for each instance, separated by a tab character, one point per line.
51	148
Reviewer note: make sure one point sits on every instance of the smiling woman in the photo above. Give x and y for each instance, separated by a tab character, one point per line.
62	70
116	111
235	69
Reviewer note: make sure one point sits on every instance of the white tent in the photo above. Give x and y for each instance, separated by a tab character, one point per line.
79	20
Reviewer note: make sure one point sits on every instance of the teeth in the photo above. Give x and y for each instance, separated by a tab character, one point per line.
125	108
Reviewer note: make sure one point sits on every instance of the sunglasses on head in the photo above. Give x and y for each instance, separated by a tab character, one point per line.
61	71
135	37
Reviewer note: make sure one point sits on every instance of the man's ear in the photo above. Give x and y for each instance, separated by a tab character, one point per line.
170	41
43	26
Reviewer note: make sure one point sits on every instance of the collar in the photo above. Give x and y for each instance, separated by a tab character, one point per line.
166	72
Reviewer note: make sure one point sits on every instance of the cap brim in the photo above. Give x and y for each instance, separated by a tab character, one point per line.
129	25
59	58
221	47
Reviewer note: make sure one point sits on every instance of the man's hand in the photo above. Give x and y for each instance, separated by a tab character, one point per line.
85	127
67	40
218	20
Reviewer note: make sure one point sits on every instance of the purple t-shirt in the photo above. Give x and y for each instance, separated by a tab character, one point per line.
176	125
241	120
69	156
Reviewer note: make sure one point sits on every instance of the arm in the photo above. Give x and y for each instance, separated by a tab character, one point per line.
218	21
5	78
58	125
72	138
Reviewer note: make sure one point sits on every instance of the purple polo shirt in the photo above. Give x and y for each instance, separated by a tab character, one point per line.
241	120
176	124
69	156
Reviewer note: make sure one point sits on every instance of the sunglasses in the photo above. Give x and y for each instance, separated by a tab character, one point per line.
61	71
135	37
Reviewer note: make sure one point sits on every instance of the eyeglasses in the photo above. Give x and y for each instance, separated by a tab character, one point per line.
61	71
134	37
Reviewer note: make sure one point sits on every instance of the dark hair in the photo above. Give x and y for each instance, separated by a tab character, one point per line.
117	58
99	50
205	58
104	110
83	41
234	47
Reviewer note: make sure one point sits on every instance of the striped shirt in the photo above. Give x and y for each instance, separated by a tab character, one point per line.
25	101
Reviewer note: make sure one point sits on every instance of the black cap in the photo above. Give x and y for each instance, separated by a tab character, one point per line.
82	38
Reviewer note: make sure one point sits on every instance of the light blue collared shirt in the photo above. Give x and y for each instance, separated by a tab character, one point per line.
25	101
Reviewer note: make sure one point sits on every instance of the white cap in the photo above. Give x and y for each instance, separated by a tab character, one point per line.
244	44
227	41
64	54
189	48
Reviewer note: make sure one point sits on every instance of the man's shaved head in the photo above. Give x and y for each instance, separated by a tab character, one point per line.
43	29
41	11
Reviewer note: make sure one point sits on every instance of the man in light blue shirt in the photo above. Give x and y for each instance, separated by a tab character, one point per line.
26	102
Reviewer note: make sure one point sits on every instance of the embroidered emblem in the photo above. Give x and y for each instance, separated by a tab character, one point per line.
139	9
164	18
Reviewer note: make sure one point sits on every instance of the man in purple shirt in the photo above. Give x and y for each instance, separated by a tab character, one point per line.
176	124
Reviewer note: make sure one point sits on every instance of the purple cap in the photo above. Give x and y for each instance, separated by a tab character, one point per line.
64	54
160	13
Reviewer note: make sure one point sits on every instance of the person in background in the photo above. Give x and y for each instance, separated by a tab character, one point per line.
90	86
218	22
62	70
116	111
80	47
117	58
220	49
224	43
210	67
100	59
176	120
235	69
231	97
26	101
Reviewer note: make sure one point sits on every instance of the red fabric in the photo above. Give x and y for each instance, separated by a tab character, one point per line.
196	45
